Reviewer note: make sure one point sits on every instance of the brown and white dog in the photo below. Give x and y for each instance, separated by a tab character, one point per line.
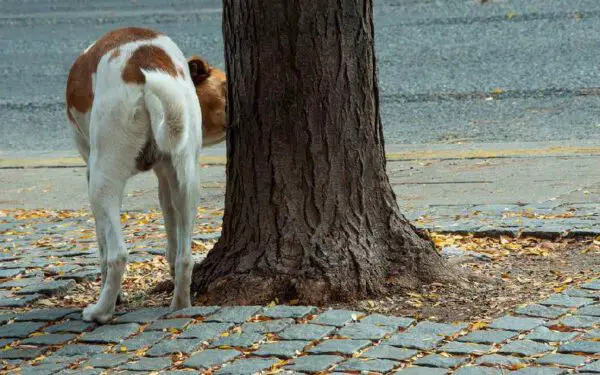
136	103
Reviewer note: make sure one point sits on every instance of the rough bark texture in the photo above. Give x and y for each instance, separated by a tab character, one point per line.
309	211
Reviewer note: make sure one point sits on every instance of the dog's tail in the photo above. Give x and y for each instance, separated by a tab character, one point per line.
165	102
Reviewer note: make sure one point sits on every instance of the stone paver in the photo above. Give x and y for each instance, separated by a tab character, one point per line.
541	311
280	312
340	346
43	315
557	334
525	348
238	340
456	347
51	339
147	364
306	332
169	324
53	288
588	347
488	336
108	360
365	331
110	334
390	352
566	301
269	326
497	360
314	363
545	334
234	314
247	366
168	347
567	360
375	365
205	331
193	312
514	323
337	318
391	321
416	370
436	360
19	330
143	340
146	315
282	349
211	357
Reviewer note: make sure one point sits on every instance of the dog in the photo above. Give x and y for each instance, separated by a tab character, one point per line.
136	104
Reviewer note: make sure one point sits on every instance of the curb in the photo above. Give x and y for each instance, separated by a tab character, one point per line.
455	153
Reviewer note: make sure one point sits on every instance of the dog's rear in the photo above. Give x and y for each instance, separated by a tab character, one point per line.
135	104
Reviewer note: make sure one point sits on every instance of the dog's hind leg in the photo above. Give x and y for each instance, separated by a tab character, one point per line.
166	176
107	182
184	191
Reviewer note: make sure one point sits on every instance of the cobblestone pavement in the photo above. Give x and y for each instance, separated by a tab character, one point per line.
540	220
47	254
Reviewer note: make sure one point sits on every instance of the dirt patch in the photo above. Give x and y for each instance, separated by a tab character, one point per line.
513	272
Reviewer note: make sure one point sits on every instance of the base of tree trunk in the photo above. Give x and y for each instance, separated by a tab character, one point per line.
220	282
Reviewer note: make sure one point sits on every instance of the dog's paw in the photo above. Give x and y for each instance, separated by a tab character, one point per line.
93	313
180	303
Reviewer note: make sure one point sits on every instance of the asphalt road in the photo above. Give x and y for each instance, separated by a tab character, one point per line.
450	70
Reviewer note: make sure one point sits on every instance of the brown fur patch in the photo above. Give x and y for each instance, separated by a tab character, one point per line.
114	54
147	57
79	92
212	93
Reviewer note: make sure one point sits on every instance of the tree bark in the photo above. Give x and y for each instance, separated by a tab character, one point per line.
309	210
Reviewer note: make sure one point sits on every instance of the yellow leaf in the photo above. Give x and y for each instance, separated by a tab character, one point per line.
123	349
478	325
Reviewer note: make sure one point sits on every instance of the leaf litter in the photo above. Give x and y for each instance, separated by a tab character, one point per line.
516	270
509	272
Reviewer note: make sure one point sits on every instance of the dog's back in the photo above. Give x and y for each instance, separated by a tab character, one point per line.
133	80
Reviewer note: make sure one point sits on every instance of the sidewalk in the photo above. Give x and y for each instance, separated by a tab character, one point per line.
531	188
49	256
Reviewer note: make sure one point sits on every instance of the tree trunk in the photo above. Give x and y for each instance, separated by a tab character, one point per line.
309	210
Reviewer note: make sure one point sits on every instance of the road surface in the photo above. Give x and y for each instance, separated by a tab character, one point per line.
450	70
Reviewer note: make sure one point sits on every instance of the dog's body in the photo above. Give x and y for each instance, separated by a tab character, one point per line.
135	103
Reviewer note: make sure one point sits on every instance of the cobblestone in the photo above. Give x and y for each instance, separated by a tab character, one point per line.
376	365
210	358
282	349
552	336
567	360
436	360
314	363
525	348
306	332
169	347
546	335
514	323
247	366
110	334
269	326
